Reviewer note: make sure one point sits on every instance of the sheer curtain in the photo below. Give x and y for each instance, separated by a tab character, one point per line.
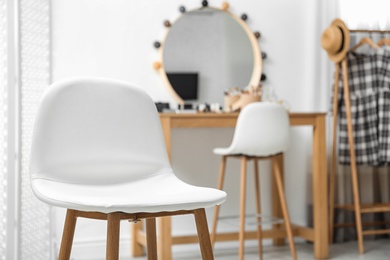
374	182
34	78
3	127
24	75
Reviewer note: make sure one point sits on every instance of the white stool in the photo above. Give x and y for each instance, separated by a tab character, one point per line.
262	132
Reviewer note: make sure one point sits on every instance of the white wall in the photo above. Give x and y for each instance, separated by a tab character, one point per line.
114	38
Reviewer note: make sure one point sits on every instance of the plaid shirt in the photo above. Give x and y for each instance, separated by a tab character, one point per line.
369	85
384	104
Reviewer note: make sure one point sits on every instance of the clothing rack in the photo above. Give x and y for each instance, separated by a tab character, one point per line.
369	31
357	207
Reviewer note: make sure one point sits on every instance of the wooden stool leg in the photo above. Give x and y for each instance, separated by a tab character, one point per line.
67	235
241	235
355	182
113	227
277	161
151	243
258	208
216	211
280	186
332	181
203	234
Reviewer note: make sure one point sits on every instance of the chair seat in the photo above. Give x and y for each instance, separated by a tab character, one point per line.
164	192
98	146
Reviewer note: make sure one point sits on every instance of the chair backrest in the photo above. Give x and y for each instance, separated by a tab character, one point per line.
97	131
262	129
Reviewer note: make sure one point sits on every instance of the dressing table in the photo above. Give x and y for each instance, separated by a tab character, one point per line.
318	234
185	49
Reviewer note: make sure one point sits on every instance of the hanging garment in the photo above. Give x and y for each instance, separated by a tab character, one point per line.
363	83
384	104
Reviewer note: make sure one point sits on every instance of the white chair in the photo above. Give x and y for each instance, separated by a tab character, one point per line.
262	132
98	150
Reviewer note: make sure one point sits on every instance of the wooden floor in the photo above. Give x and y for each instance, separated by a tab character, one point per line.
375	250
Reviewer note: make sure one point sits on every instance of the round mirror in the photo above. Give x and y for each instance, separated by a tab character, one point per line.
207	51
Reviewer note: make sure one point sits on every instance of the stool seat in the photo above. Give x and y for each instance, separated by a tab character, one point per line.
262	130
228	151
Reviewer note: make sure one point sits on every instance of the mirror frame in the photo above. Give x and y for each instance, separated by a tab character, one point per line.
257	60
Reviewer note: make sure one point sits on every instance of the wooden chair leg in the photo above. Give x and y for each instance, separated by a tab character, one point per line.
355	182
113	227
332	181
217	208
203	234
151	243
282	197
67	235
258	208
241	235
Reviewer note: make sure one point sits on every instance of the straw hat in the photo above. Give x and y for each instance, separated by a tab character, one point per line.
335	40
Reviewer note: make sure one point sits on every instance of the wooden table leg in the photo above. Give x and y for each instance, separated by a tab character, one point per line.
164	238
136	248
276	208
166	127
320	190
